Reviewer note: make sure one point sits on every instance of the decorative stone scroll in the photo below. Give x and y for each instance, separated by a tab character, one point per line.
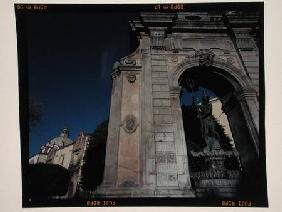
130	123
206	57
128	61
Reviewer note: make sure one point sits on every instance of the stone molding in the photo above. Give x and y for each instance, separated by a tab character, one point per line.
234	75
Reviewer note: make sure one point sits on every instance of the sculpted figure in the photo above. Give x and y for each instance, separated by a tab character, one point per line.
208	124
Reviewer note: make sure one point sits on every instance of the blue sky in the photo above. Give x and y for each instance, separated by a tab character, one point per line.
70	58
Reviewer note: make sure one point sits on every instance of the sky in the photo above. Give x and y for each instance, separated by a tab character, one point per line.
70	58
69	64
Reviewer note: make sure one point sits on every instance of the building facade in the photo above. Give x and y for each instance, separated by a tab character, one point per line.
66	153
146	149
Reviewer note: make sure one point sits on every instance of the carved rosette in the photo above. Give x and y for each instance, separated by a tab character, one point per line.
130	123
205	56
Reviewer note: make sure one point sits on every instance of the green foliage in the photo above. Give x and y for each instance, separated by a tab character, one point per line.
94	159
47	180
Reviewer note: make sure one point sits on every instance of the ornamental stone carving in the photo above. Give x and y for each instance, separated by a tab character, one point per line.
172	178
131	78
166	157
205	56
130	123
230	60
174	58
128	61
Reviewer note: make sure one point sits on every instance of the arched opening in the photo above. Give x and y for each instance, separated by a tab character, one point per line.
220	164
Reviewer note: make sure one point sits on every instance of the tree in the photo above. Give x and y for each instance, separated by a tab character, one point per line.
47	180
94	159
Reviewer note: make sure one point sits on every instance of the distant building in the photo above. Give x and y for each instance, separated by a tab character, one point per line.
67	153
221	117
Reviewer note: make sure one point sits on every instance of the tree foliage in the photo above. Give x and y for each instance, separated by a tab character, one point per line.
47	180
94	159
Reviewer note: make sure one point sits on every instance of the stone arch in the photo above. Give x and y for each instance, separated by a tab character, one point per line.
242	117
235	76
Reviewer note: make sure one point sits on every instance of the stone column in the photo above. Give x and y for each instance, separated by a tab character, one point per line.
243	130
110	173
129	137
122	175
148	150
179	139
248	101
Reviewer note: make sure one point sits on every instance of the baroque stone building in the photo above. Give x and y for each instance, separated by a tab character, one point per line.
146	152
67	153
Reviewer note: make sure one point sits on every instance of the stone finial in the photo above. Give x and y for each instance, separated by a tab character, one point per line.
116	65
65	132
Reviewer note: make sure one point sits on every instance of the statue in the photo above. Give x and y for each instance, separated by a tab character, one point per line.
208	124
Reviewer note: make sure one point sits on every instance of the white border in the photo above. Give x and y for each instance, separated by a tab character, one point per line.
10	173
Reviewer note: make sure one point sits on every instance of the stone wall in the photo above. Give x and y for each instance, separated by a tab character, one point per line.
146	148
